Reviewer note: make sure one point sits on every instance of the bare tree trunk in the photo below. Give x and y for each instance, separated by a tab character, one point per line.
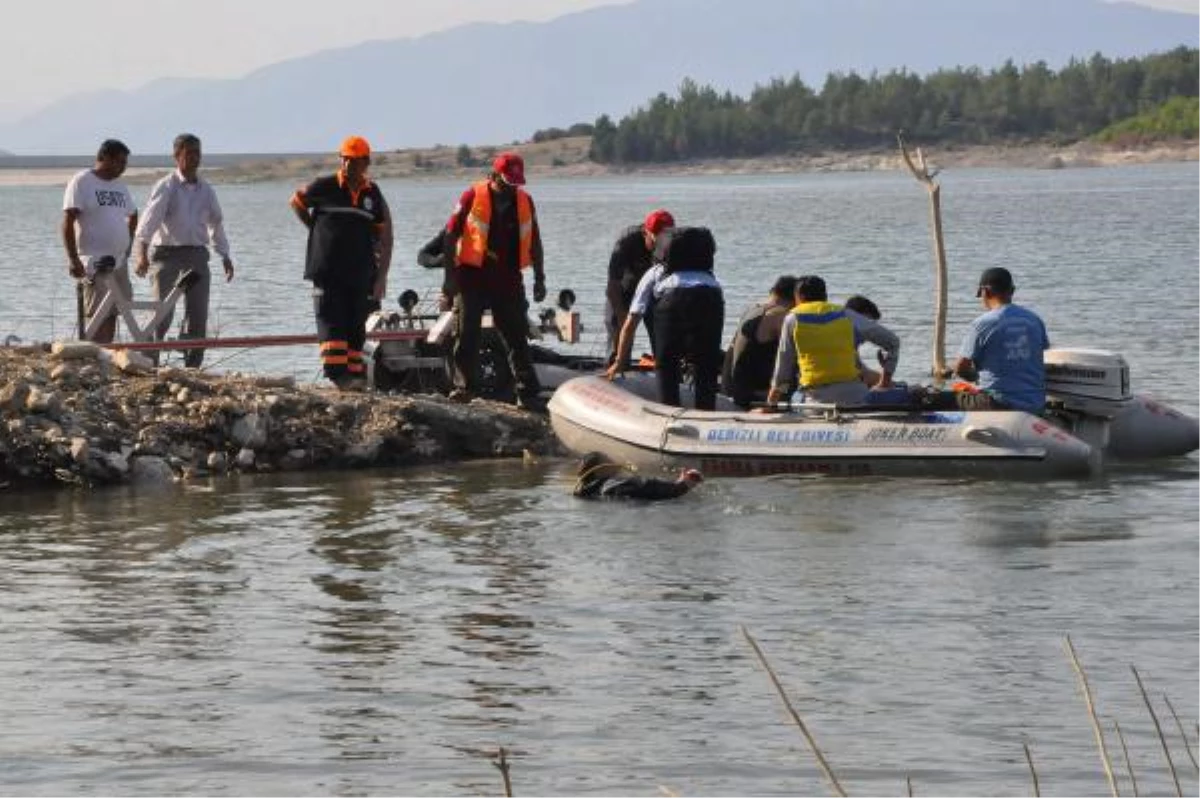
921	172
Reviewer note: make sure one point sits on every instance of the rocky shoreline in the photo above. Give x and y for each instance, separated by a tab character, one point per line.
77	415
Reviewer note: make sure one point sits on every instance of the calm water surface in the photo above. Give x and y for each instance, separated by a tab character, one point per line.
385	632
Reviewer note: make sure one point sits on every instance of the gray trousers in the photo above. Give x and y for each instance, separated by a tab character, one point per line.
166	264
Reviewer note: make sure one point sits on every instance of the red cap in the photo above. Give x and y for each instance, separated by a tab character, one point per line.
657	221
511	167
355	147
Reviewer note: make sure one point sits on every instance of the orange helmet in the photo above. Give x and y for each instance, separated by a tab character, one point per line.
511	167
355	147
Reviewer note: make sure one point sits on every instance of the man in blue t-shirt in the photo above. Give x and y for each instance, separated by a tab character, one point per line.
1002	352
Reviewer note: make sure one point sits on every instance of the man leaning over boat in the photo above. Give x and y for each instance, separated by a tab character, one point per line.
818	350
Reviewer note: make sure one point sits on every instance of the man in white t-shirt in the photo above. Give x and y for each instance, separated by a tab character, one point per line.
99	219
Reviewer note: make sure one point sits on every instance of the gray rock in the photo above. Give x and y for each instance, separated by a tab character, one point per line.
14	395
75	350
250	431
79	449
245	459
151	471
217	462
117	461
63	371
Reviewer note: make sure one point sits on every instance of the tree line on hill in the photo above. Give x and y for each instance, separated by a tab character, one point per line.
1151	96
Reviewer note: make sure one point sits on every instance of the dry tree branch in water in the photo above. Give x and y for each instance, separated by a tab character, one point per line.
1128	761
1037	787
1091	708
1187	745
502	765
1158	727
812	743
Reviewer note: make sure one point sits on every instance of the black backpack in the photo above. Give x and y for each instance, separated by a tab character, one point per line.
689	249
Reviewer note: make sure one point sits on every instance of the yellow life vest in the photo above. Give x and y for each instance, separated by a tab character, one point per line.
825	344
473	244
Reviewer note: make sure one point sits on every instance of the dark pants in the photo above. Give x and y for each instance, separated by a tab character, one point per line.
688	323
167	263
508	317
341	313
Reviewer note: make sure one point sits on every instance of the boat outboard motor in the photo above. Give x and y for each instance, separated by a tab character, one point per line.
1086	389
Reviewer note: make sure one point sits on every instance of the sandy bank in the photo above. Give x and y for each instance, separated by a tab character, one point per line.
80	420
564	158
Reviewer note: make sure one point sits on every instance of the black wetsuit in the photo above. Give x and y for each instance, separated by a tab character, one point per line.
628	486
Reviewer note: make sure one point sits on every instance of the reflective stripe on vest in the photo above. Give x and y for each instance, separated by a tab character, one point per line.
472	246
825	344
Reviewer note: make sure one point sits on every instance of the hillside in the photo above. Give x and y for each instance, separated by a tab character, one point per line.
422	91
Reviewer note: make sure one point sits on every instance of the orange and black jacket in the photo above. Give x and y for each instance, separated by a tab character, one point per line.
345	231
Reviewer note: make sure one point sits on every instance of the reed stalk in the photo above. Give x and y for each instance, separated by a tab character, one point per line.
502	765
1158	728
1128	762
812	743
1187	744
1091	708
1037	787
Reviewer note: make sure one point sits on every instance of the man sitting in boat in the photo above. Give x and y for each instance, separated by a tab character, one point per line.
689	314
864	307
601	478
819	344
750	359
1002	353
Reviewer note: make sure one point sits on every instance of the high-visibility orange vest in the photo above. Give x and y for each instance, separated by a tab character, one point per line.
472	245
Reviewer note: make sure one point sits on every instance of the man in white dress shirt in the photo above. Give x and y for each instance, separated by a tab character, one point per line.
99	217
181	220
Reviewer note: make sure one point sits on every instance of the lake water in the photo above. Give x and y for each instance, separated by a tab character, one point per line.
386	632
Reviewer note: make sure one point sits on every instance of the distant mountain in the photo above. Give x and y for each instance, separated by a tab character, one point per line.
493	83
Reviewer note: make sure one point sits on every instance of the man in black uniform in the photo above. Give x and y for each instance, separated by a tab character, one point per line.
632	256
349	253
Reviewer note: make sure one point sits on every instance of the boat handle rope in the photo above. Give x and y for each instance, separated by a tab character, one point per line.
666	432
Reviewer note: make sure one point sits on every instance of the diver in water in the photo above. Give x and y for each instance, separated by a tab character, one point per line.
601	478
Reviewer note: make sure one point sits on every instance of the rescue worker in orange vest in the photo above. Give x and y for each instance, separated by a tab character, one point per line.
493	233
349	253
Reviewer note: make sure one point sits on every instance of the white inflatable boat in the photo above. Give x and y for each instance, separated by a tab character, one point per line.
1091	415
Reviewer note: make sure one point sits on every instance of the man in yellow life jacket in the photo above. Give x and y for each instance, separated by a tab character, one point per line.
820	340
493	233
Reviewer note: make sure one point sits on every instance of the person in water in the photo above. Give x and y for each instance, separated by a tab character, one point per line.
601	478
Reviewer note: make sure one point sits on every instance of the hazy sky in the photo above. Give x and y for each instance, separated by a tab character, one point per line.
54	48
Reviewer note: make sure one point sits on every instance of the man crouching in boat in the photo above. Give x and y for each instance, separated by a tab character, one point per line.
820	339
1002	353
601	478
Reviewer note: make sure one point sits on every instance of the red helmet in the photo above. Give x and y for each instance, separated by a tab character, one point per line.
657	221
511	167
